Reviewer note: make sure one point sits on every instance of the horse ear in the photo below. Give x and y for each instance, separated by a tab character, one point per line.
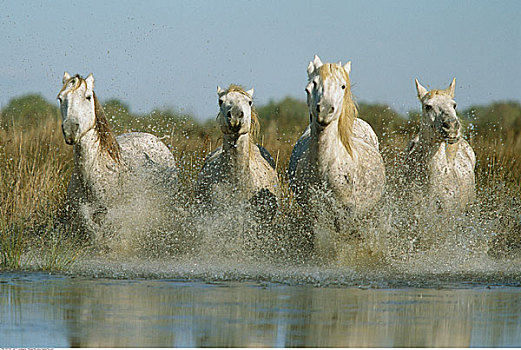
420	89
250	92
317	62
220	91
311	68
452	88
66	76
90	82
347	67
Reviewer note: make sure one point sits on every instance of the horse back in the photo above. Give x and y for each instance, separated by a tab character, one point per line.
144	147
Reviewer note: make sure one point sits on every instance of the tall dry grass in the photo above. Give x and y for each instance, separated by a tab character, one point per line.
35	168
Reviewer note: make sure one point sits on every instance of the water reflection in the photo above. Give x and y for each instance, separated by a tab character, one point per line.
41	310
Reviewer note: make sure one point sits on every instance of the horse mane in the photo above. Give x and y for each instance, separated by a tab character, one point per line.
349	110
254	124
107	139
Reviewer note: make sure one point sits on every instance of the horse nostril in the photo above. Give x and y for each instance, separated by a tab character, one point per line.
332	110
318	108
446	125
241	114
229	114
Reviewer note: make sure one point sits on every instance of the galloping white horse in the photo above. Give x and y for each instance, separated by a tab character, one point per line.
103	163
439	161
337	156
239	167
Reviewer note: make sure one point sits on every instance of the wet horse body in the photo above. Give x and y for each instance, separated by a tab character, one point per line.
439	162
108	169
337	157
239	167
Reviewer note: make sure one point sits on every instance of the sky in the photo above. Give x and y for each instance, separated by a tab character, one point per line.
173	54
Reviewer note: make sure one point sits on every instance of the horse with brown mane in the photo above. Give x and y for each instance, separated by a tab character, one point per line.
108	169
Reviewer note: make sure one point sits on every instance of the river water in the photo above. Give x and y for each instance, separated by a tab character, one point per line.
183	304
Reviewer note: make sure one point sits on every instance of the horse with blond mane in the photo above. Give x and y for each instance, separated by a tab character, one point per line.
337	157
240	166
439	162
106	165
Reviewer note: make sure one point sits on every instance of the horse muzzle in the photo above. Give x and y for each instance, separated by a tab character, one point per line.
450	131
70	132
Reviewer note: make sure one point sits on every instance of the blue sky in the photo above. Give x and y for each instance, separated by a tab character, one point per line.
161	54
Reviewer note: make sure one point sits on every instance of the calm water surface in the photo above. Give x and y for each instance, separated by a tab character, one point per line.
63	311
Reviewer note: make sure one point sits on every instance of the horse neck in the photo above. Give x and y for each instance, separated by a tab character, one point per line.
236	150
325	144
90	161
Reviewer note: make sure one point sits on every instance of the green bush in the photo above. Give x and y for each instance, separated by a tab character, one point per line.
27	111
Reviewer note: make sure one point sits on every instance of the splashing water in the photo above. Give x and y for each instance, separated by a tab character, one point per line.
153	236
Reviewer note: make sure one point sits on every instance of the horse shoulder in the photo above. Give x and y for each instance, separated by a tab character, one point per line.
468	153
264	170
298	152
266	156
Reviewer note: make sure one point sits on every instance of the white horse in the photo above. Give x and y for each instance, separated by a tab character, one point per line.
106	167
240	166
337	157
439	162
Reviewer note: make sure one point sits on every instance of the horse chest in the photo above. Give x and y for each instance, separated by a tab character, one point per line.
334	175
449	173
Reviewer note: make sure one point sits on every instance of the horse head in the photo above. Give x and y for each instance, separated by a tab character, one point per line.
81	112
439	112
327	88
236	113
329	98
77	107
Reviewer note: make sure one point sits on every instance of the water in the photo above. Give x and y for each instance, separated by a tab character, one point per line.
219	307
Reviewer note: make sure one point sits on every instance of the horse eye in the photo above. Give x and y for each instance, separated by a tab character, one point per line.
250	103
455	105
88	97
220	102
428	107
